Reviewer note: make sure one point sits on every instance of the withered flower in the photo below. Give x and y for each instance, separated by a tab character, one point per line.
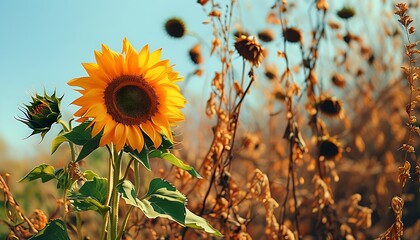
239	33
175	27
250	49
266	35
271	71
346	12
338	80
293	35
330	148
330	106
195	54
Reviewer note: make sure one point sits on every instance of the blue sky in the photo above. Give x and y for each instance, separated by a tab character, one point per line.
43	43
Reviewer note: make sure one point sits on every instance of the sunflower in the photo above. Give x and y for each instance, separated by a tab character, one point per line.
128	94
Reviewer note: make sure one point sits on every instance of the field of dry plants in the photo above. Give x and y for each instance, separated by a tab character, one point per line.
305	129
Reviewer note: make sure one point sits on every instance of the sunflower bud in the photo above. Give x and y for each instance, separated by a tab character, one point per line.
41	113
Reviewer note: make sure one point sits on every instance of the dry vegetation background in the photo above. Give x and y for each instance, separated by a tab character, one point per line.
306	144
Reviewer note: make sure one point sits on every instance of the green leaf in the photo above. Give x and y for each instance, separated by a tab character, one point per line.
197	222
80	134
89	175
43	171
162	200
56	142
63	177
91	196
169	157
164	206
142	157
54	230
89	146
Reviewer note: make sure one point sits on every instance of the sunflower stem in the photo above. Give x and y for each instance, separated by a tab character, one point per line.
116	159
66	128
136	187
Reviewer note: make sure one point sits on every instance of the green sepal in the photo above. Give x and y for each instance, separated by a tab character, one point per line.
142	157
54	230
44	171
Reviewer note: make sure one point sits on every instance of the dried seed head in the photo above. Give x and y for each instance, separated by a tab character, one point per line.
175	27
330	106
293	35
271	72
280	95
249	49
239	33
195	54
202	2
330	148
346	13
266	35
338	80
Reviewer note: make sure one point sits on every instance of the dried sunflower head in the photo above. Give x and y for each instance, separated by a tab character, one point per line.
330	106
249	49
195	54
293	35
338	80
175	27
330	148
271	71
266	35
346	13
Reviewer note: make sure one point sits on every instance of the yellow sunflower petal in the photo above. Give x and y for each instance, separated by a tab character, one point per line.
149	130
108	134
163	123
95	72
131	65
120	136
86	83
143	58
154	58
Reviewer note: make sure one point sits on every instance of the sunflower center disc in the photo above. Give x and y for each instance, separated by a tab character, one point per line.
130	100
133	101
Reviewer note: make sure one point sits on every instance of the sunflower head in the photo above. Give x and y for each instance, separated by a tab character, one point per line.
293	35
271	72
346	13
129	96
330	148
239	32
266	35
195	54
331	107
41	113
338	80
175	27
249	49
